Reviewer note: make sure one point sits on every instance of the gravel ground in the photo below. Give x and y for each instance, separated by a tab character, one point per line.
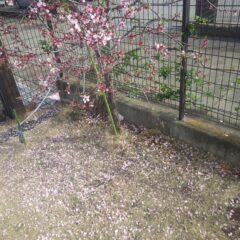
74	180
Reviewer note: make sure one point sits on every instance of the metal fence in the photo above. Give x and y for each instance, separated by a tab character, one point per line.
27	79
218	95
228	11
210	87
30	79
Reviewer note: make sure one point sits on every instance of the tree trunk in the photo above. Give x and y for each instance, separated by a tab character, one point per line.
9	93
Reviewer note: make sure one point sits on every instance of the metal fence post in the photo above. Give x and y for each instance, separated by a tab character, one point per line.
184	48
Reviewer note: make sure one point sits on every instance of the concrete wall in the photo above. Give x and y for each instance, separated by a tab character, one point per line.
209	136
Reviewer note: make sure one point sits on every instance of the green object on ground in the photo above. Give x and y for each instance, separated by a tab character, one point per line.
19	127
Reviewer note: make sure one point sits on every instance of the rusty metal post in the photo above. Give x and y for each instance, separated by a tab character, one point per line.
184	49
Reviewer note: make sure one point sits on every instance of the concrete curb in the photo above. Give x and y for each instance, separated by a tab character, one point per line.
209	136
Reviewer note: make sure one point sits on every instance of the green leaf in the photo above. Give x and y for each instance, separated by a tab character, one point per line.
209	94
65	5
201	20
191	29
45	45
238	81
19	128
164	71
198	80
237	109
158	56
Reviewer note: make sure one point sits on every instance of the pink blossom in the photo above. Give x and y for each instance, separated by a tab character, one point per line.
131	36
124	3
210	7
122	23
102	88
55	70
204	43
74	21
68	89
162	49
41	4
160	29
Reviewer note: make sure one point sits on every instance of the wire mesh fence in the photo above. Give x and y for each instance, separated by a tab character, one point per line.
212	83
218	94
137	81
32	78
26	78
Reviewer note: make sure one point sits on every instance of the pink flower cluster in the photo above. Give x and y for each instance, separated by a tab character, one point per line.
162	49
88	25
103	88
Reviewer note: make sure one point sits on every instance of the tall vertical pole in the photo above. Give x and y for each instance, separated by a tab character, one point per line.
184	49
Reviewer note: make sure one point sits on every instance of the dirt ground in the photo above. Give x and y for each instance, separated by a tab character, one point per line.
75	180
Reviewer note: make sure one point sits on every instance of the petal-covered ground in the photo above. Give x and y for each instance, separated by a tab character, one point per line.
74	180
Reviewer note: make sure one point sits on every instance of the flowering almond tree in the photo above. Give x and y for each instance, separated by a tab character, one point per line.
78	37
